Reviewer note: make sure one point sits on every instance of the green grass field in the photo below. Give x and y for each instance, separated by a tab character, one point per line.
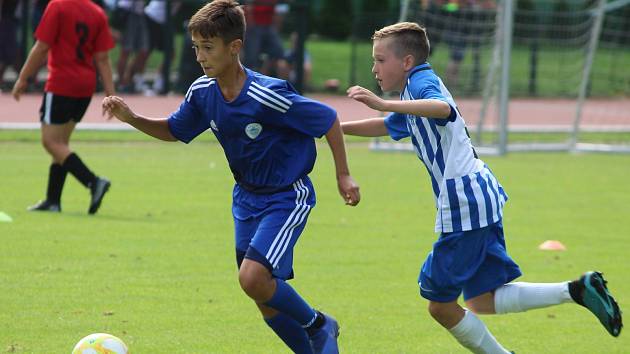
156	265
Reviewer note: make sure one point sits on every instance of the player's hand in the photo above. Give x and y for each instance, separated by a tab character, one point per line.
18	88
366	97
114	106
349	190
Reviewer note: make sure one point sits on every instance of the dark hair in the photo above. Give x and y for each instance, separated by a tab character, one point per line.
409	38
221	18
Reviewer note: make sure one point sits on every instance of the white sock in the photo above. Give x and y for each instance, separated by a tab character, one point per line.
473	334
519	297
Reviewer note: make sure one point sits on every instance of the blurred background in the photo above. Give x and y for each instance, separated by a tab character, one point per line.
549	40
557	67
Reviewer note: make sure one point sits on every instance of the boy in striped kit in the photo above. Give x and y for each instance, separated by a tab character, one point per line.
470	255
267	132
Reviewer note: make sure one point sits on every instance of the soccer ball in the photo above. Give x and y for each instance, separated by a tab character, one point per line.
100	343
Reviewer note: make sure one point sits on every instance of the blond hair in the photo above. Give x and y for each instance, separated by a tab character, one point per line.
221	18
408	38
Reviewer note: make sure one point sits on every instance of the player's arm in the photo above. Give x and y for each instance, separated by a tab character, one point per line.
104	67
366	127
348	188
432	108
114	106
35	59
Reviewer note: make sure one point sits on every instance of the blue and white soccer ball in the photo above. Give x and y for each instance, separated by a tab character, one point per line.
100	343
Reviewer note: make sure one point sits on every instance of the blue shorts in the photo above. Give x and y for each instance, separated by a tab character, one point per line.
474	262
267	226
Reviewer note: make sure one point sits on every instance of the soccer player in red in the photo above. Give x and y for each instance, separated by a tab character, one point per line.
75	36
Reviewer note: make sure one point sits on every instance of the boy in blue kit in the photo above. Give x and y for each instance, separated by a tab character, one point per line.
267	132
470	255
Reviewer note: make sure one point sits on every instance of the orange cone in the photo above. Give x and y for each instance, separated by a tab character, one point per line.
552	245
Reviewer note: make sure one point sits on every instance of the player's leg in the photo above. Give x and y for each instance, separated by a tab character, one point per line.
590	290
287	329
485	293
60	115
246	221
53	139
519	297
269	262
448	268
465	327
485	289
258	284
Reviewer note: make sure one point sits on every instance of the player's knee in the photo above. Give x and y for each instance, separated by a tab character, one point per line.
48	144
438	311
476	308
246	280
255	285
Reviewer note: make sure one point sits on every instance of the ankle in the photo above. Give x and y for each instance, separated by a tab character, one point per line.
576	290
318	321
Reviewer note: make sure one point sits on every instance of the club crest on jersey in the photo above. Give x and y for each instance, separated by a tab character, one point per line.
213	125
253	130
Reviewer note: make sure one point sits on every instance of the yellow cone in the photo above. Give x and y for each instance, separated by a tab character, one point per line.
4	217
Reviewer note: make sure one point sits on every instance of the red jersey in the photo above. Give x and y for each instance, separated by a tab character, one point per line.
263	12
74	30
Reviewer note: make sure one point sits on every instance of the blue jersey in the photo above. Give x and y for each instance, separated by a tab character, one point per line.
267	132
467	194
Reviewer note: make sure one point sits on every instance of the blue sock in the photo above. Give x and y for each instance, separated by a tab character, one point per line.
291	333
287	301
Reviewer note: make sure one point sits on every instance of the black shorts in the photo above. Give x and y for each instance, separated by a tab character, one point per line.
57	109
118	19
156	35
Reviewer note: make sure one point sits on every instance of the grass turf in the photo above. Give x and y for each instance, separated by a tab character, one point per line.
156	265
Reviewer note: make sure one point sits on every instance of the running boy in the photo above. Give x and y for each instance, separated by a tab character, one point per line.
267	133
75	36
470	254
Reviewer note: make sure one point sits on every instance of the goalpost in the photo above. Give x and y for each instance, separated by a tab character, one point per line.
610	42
540	76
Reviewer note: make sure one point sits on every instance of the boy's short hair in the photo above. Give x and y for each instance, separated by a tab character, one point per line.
409	38
221	18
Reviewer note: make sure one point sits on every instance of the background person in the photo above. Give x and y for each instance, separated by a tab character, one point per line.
75	37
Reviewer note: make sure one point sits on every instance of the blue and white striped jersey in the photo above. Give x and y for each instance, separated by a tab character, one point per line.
267	132
467	194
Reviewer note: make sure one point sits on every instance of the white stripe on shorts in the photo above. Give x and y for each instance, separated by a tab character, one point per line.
48	105
282	239
301	217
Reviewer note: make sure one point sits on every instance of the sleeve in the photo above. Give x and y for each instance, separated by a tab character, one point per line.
187	123
396	125
431	89
48	28
103	40
306	115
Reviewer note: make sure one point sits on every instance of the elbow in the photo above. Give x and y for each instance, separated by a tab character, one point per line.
100	62
101	58
446	111
344	128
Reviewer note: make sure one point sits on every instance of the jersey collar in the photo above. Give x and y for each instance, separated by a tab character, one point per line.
421	67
